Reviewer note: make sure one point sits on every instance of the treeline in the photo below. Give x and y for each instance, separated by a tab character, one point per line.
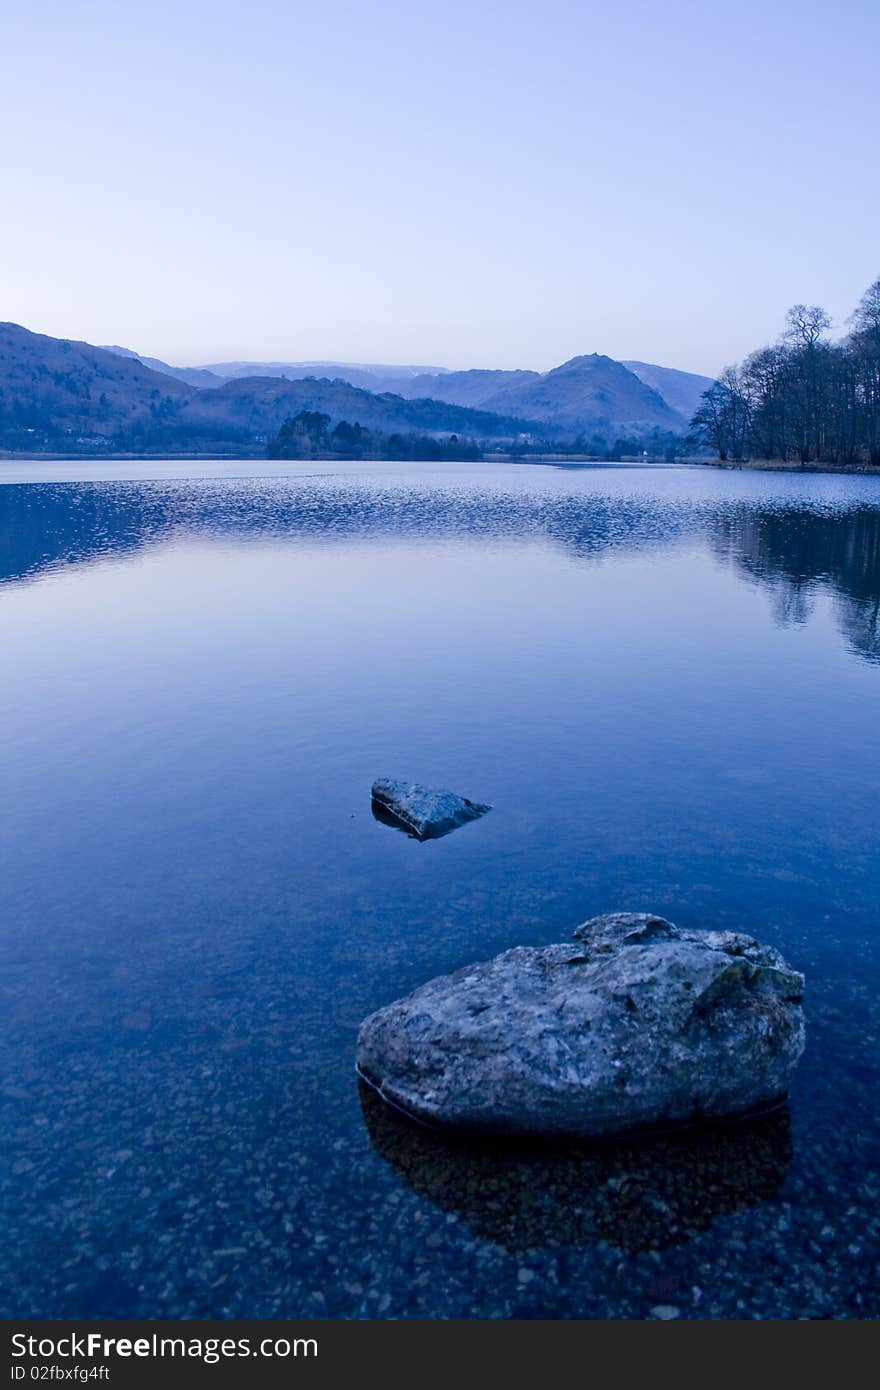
308	435
655	444
806	399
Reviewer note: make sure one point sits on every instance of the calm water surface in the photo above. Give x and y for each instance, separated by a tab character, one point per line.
665	681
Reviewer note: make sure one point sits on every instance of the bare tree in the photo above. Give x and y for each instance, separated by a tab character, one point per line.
806	326
723	418
864	344
765	372
805	398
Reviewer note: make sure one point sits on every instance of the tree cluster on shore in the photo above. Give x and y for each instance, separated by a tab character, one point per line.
652	444
308	435
806	399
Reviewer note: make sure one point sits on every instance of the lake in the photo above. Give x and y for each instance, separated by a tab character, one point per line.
667	683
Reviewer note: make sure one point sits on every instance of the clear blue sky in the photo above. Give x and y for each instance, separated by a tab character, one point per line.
462	183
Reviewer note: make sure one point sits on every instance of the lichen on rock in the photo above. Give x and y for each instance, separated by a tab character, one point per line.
637	1024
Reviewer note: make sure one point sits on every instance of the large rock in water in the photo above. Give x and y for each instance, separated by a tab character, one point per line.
637	1024
426	813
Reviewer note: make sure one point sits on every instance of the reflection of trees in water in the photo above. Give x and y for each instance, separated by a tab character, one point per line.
859	621
797	552
637	1195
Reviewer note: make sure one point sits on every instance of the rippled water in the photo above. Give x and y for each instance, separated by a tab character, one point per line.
666	683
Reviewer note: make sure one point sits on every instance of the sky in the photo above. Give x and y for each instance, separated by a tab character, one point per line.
459	184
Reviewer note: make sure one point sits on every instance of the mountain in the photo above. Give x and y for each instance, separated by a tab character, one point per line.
473	387
64	395
193	376
59	394
259	405
371	376
53	387
591	393
586	393
681	390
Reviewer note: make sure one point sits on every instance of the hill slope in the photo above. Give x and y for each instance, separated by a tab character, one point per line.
477	387
54	387
681	390
259	405
591	393
473	387
192	376
57	394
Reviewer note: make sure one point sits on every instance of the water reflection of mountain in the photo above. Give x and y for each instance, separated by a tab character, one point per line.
638	1195
47	527
795	551
798	553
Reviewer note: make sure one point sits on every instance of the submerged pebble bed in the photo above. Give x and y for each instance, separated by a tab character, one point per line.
199	907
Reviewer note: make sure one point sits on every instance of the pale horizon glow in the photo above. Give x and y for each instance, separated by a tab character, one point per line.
465	185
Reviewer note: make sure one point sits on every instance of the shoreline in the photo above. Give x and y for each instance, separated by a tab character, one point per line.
783	466
575	460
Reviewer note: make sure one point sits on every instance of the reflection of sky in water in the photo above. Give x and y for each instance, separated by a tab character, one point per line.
799	537
201	682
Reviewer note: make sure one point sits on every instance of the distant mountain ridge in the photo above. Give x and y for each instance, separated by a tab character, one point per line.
373	377
592	392
260	405
193	376
58	393
602	398
473	387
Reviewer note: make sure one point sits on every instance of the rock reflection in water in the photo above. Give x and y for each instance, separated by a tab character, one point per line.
637	1195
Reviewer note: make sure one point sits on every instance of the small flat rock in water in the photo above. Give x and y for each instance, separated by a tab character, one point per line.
636	1024
423	812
